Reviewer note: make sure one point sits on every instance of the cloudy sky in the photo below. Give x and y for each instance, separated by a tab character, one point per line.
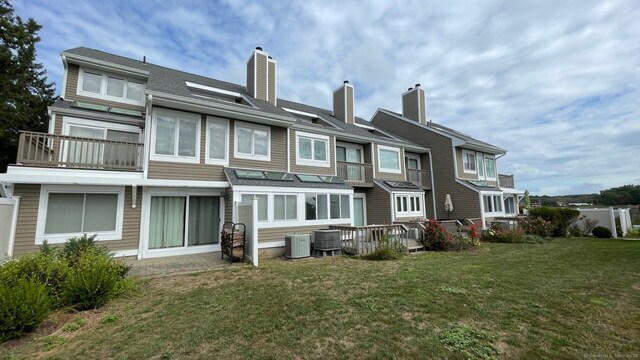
557	83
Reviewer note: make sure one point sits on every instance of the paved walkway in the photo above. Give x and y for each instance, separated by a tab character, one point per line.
182	264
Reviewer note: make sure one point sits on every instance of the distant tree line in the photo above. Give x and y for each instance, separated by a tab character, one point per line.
623	195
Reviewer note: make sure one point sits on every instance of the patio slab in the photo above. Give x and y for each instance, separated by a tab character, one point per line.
182	264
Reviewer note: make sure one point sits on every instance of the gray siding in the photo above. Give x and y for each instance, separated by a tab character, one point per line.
338	104
304	169
460	165
228	205
350	105
251	73
261	76
378	206
277	234
272	82
278	152
28	217
73	76
410	106
466	202
384	175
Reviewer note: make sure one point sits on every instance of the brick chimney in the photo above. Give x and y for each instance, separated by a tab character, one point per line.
343	103
413	105
261	76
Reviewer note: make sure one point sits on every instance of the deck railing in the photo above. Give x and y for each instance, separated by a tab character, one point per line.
362	240
355	173
421	178
49	150
506	181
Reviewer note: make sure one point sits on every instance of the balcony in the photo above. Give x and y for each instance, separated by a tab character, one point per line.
421	178
355	174
49	150
506	181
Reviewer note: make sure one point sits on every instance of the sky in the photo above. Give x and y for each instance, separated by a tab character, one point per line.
557	83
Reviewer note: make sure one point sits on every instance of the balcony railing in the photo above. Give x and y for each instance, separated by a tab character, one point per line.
421	178
358	174
362	240
49	150
506	181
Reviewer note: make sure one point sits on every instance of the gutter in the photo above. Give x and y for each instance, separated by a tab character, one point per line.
83	60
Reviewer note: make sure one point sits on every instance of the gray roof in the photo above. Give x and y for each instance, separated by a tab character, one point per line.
235	181
470	141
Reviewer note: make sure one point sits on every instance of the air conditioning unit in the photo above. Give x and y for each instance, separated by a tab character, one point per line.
297	246
326	240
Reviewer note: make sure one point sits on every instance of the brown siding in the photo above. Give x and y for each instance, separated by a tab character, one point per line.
410	106
278	152
73	76
277	234
185	171
378	206
387	176
251	73
272	82
460	164
28	216
27	219
338	104
424	105
261	74
331	170
466	202
350	105
368	153
228	205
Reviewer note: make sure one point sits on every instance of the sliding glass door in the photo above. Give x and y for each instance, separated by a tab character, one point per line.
183	221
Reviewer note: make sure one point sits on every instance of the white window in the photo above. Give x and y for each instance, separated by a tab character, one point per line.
252	141
480	167
388	159
217	145
263	205
490	167
408	205
110	87
312	149
492	204
285	207
509	205
67	211
325	206
176	136
469	162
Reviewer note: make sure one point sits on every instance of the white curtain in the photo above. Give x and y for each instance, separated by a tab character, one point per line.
166	228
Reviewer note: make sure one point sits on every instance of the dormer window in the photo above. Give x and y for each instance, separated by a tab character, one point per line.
110	87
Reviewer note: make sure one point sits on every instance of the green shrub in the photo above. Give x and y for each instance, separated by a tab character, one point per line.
92	281
386	249
501	234
533	239
437	238
575	231
48	269
561	218
76	246
24	304
534	225
601	232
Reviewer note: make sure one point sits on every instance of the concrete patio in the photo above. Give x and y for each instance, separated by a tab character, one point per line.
183	264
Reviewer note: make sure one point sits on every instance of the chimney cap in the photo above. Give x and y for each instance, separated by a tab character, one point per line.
258	48
409	89
418	85
345	82
270	57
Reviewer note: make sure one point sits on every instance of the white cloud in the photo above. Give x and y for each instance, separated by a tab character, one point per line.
556	83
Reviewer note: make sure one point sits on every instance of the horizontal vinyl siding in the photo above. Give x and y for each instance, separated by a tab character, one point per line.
228	205
466	202
460	164
277	234
27	219
73	76
378	206
304	169
388	176
278	152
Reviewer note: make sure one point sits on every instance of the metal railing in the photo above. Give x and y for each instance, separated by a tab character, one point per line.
506	181
49	150
362	240
421	178
355	173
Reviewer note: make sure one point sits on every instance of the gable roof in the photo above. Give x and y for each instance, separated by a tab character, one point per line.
464	140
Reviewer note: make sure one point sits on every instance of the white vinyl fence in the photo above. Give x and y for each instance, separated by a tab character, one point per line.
607	218
248	215
8	221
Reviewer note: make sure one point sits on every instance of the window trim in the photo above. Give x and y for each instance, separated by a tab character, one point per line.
466	153
492	199
45	190
480	169
392	149
313	138
175	158
207	159
409	199
495	168
273	204
252	156
103	87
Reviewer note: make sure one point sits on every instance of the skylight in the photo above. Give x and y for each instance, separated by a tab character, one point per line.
263	175
106	108
319	179
401	184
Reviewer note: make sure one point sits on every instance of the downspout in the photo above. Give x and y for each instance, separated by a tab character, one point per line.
147	136
433	187
64	77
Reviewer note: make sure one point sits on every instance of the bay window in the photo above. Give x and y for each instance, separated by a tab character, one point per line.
408	205
492	203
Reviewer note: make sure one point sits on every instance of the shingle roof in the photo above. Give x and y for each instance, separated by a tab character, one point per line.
235	181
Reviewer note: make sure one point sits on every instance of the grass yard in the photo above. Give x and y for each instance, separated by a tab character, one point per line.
568	298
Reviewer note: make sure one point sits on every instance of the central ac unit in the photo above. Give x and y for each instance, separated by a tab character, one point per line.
326	240
297	246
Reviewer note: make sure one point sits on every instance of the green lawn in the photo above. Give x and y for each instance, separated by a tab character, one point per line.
568	298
